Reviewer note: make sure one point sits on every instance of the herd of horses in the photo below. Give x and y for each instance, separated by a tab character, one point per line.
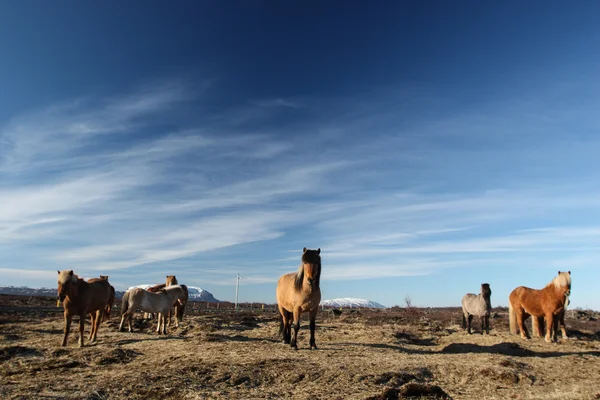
297	293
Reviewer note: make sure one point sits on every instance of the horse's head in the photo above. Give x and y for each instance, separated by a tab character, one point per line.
486	292
66	279
311	266
171	280
104	277
563	282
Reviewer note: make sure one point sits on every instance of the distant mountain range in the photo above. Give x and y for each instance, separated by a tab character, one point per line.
195	293
349	302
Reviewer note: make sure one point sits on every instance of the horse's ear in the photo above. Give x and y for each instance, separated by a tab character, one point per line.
569	272
319	250
304	250
58	271
71	273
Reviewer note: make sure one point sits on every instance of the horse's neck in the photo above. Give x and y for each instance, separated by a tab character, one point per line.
485	300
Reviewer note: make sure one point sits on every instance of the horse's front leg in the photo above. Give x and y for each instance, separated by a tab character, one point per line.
482	324
97	322
313	325
81	328
68	320
92	328
296	325
549	327
158	318
487	324
562	326
165	316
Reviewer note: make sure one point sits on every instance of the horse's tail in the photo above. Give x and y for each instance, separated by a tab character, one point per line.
512	319
125	303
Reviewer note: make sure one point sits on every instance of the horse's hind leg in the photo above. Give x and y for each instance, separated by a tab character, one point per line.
521	316
469	321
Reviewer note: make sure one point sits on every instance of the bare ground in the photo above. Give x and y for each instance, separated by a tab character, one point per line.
389	354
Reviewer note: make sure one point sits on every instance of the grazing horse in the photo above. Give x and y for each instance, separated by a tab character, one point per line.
111	300
160	303
479	305
548	302
537	323
81	298
299	292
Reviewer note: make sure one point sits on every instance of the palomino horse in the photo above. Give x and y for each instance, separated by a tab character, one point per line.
299	292
548	302
81	298
171	280
479	305
111	300
160	303
537	324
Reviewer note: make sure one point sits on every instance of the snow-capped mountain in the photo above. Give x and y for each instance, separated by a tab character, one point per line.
26	291
194	293
351	303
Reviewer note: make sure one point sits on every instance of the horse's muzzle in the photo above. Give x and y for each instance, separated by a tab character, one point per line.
310	281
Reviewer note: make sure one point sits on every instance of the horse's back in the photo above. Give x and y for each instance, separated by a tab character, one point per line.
467	300
99	293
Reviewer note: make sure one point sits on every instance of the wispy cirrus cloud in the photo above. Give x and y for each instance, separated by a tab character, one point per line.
124	184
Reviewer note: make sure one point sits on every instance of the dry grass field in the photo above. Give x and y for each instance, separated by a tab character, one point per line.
389	354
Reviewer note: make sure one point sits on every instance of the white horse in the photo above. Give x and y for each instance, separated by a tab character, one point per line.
160	303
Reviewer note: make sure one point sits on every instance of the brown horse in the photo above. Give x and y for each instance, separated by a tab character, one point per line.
111	301
299	292
81	298
180	306
548	302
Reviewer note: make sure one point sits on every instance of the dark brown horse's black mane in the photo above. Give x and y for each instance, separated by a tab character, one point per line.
309	257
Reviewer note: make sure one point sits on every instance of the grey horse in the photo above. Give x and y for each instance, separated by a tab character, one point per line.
479	305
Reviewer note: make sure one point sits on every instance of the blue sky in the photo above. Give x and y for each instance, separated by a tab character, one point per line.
425	147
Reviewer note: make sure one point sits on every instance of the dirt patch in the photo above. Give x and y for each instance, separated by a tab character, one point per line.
117	356
6	353
413	390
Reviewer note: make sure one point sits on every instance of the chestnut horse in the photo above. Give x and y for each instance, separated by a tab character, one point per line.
537	324
299	292
81	298
548	302
111	301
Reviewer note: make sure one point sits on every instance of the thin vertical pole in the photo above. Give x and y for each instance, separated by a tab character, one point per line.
237	288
